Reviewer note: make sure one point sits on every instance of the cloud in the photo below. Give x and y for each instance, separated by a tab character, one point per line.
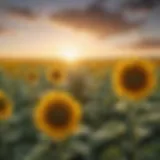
4	30
139	10
138	15
24	13
147	4
93	20
148	44
144	44
101	20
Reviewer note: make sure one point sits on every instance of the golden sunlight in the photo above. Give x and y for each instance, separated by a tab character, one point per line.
69	53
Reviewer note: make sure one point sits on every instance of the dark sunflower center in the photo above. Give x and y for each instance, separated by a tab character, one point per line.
2	105
58	115
56	75
134	78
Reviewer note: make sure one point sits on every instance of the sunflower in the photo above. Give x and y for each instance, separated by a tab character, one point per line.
56	75
32	77
57	115
5	106
134	79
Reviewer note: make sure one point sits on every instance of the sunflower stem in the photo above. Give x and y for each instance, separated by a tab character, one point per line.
131	135
59	151
39	150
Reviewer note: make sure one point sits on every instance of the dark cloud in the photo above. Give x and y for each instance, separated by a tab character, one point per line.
100	21
147	4
145	44
19	12
94	20
148	44
4	30
139	9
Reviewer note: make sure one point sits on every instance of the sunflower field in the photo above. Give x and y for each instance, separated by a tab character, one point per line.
94	110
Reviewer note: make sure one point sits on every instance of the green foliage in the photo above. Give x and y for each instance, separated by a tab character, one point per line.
109	130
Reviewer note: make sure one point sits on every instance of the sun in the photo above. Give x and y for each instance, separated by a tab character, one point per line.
70	53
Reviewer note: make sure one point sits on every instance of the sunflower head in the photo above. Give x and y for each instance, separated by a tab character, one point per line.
134	79
56	75
32	77
57	115
5	106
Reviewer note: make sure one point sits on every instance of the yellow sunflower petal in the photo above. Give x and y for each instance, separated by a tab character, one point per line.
5	106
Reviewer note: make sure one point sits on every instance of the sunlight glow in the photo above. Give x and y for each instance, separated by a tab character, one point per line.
69	53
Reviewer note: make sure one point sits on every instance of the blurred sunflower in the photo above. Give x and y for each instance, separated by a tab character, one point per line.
134	79
32	76
57	115
5	106
56	75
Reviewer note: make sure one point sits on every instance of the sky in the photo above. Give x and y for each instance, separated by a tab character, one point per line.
79	28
